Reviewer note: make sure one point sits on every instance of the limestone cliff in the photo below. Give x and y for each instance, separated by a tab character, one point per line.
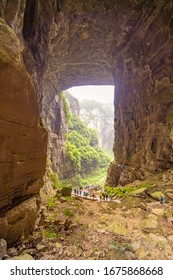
22	141
101	117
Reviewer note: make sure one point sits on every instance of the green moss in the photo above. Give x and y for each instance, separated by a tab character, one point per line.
52	202
65	107
54	179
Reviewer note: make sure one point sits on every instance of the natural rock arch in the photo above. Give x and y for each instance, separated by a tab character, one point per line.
126	43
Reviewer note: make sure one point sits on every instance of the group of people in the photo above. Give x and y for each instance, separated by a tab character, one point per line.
87	194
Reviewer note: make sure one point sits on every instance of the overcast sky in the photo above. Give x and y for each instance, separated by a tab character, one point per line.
103	94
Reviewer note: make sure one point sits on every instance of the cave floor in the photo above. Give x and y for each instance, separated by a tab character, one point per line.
84	229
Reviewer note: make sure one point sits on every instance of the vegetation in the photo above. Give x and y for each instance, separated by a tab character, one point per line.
101	115
125	191
49	234
52	202
65	107
95	177
54	179
68	213
81	147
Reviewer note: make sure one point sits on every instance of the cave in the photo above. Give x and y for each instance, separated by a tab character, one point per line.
49	46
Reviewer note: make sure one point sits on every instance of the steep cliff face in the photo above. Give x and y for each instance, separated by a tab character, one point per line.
101	117
22	140
68	43
144	97
124	43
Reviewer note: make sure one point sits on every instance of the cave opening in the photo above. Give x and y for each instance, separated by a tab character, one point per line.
88	149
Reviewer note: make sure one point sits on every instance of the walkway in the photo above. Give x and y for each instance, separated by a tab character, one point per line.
97	198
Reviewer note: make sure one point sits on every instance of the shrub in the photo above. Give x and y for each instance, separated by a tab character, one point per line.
52	202
49	234
65	107
68	213
73	154
78	125
54	179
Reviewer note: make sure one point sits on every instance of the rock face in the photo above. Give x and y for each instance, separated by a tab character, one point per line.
126	44
101	117
144	96
69	43
22	138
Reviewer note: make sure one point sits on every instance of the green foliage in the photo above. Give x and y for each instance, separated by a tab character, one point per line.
94	138
104	159
52	202
78	125
65	107
80	147
118	191
77	139
49	234
68	213
89	156
54	179
48	162
124	191
73	154
95	177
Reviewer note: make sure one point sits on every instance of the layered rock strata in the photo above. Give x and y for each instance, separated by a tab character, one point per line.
68	43
128	44
23	140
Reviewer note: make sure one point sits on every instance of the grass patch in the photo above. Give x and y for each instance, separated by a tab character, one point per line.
49	234
52	202
121	192
54	179
68	213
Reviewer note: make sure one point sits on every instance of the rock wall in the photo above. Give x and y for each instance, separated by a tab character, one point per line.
144	97
23	140
128	44
125	43
68	43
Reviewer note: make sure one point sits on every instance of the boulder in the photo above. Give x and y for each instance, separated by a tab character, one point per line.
149	225
158	211
156	195
118	228
26	257
19	221
66	191
3	248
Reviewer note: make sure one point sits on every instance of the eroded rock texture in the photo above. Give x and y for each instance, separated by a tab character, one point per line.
126	43
69	43
22	138
144	96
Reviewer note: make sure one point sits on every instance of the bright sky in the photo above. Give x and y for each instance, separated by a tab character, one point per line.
103	94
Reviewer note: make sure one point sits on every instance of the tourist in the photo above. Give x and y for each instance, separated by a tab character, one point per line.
106	196
161	199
